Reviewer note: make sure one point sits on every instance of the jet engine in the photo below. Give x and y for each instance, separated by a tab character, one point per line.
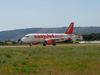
49	42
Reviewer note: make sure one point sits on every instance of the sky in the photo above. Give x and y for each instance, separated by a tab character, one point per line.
21	14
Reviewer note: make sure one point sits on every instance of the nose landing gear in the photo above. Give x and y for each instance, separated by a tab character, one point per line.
30	44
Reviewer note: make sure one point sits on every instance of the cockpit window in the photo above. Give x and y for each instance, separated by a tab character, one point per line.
27	36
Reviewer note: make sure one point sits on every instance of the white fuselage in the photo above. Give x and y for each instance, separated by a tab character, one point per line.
30	38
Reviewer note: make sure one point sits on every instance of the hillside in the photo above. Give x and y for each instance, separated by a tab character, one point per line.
18	34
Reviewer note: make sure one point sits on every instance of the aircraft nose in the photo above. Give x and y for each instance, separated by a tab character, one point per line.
23	39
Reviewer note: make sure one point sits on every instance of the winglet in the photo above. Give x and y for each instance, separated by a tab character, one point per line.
70	29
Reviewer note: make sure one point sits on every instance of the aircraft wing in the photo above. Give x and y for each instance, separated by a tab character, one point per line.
56	39
60	38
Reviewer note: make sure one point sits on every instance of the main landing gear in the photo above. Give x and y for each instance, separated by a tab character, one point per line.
45	43
54	44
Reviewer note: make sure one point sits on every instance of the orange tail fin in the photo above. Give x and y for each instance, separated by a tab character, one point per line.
70	29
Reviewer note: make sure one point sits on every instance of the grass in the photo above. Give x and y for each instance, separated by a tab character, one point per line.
64	59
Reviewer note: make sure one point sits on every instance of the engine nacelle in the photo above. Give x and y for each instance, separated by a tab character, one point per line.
35	43
49	42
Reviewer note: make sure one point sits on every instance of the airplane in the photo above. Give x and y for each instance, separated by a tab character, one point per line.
48	39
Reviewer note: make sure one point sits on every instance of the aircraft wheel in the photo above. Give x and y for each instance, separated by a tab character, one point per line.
54	44
44	44
30	44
